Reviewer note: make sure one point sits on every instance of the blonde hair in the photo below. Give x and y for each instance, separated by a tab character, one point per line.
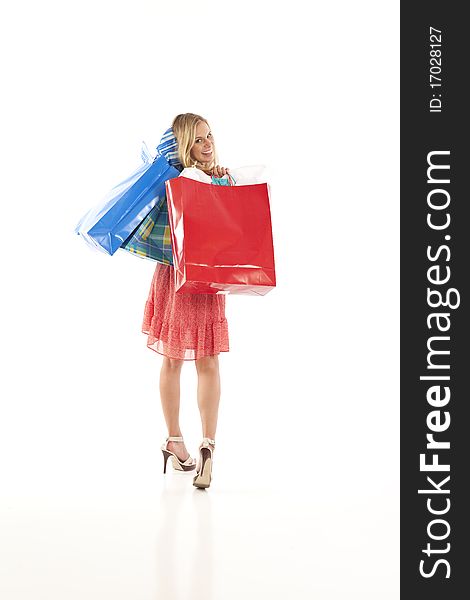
184	128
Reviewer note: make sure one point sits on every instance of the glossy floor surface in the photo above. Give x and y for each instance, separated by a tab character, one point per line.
167	540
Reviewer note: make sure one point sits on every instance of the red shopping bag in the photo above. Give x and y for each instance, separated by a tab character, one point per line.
221	237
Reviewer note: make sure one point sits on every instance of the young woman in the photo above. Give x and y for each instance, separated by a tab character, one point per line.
187	326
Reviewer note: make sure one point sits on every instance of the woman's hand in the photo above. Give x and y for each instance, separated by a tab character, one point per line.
219	171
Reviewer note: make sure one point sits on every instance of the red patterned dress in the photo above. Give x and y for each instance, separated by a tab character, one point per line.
183	326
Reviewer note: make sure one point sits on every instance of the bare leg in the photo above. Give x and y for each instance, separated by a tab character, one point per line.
208	393
170	398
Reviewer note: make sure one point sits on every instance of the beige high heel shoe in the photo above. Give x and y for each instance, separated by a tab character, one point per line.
204	468
188	465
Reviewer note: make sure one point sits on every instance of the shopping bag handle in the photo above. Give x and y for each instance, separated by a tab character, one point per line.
231	179
145	154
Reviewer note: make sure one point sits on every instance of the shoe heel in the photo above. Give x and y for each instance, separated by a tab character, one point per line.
166	455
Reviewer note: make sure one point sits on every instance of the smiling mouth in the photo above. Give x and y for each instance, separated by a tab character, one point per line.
208	152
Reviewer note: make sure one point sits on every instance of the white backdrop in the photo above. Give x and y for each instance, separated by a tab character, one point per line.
309	406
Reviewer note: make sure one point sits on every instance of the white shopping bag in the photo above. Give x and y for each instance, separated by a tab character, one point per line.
242	175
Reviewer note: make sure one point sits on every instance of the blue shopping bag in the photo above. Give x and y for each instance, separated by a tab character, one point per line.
107	226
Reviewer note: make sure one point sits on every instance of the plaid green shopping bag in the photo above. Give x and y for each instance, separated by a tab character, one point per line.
152	238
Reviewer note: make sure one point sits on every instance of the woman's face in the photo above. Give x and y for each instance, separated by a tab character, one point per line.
203	148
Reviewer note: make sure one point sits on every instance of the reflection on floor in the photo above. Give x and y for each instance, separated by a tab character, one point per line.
171	541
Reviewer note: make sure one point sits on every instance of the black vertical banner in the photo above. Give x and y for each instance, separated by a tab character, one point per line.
435	316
